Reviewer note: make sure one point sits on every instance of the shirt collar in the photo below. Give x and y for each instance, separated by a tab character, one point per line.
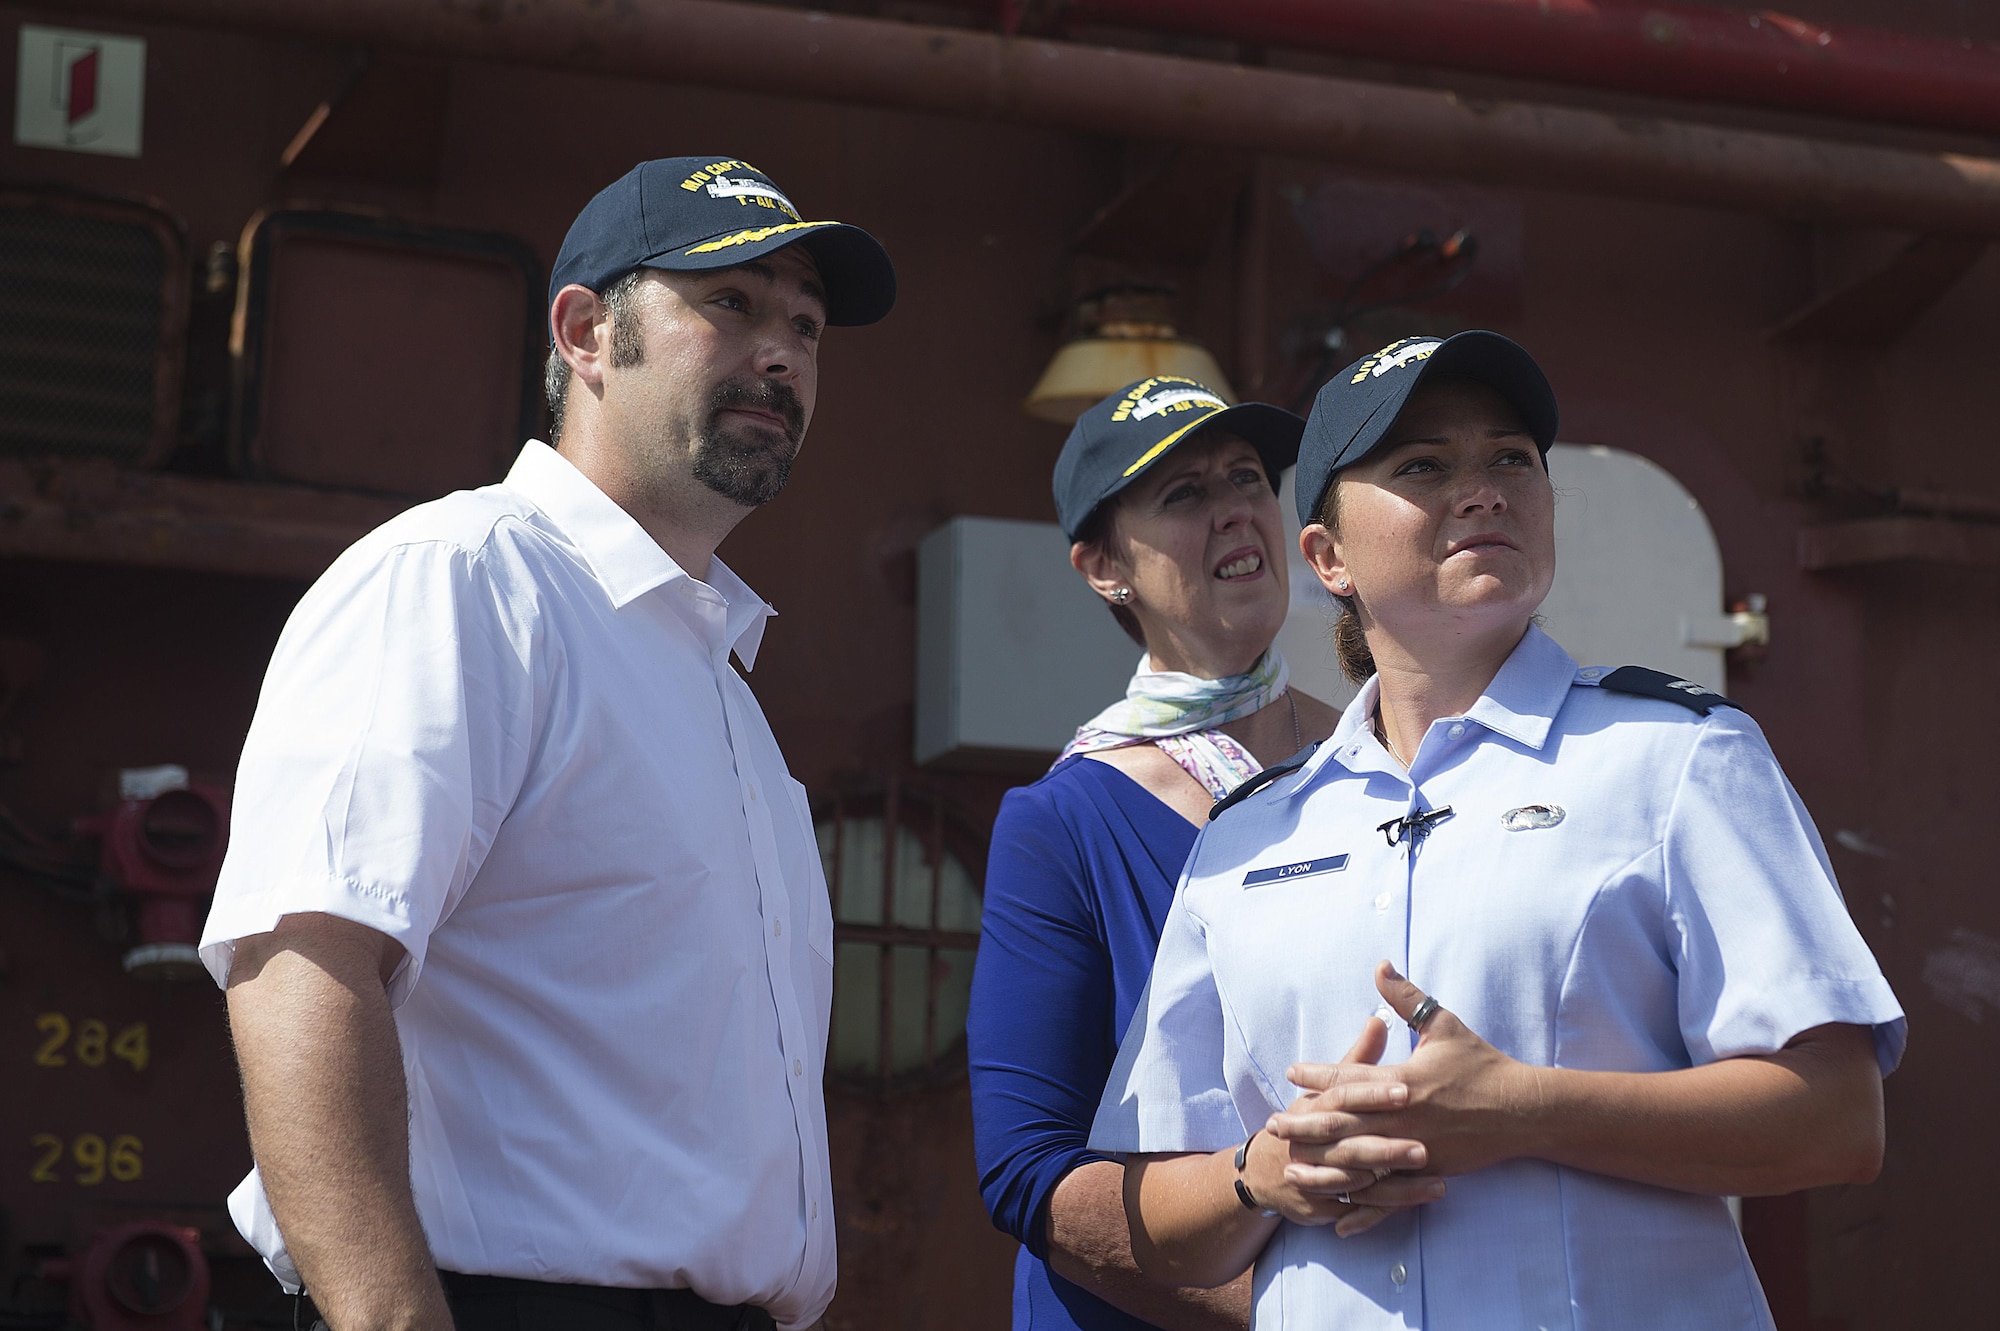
1523	699
1521	704
1352	744
747	614
626	561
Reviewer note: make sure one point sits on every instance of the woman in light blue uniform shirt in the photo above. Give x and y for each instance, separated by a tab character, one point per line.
1633	986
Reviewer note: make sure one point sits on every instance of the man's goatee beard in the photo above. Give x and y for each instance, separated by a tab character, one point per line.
749	475
745	473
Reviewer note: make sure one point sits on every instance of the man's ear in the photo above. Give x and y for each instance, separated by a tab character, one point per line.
581	325
1324	558
1099	569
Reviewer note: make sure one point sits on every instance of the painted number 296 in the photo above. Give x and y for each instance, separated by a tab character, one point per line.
92	1158
89	1042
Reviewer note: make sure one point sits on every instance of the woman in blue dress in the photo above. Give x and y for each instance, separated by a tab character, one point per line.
1168	495
1634	989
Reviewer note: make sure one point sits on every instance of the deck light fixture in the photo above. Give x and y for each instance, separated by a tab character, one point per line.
1118	334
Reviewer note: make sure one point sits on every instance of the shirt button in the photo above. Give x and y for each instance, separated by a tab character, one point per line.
1457	730
778	928
798	1068
1400	1274
1591	673
815	1210
1386	1013
1382	901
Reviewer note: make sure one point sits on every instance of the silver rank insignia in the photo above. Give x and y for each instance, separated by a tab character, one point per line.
1531	816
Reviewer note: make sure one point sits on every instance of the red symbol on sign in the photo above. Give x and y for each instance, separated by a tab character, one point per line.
82	98
78	67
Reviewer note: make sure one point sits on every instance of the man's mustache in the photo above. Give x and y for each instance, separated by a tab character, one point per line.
764	395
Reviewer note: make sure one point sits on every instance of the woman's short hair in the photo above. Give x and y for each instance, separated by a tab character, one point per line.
1096	532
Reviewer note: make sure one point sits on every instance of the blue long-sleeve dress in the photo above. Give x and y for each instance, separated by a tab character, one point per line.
1078	883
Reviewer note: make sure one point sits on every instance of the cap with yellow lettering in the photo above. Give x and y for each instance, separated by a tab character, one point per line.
690	214
1355	409
1124	436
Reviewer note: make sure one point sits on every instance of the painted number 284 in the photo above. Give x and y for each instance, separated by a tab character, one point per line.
89	1042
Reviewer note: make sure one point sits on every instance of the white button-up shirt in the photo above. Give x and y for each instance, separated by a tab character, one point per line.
1622	884
503	730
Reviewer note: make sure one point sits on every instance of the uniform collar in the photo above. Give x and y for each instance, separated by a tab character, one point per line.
626	561
1523	699
1521	703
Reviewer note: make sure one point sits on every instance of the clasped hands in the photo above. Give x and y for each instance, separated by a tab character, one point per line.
1366	1141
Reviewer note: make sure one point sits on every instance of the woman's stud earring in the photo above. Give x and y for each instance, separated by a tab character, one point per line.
1121	596
1342	585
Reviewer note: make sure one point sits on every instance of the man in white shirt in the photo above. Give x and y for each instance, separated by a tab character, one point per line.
527	948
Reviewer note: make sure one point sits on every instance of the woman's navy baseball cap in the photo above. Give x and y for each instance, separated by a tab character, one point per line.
1121	438
1353	412
690	214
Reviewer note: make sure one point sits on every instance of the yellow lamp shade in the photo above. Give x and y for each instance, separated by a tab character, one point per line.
1088	370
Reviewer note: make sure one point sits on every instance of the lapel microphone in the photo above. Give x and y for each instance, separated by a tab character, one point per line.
1412	827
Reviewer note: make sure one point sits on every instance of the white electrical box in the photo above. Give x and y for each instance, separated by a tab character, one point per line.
1014	651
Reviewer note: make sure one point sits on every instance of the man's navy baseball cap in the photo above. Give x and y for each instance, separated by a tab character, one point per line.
1353	412
1121	438
690	214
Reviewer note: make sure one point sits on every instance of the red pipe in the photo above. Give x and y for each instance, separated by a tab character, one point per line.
1760	58
1133	94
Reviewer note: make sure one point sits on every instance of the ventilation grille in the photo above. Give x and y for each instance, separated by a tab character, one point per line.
87	297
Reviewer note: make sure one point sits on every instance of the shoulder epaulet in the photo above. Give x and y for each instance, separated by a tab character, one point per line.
1261	780
1646	683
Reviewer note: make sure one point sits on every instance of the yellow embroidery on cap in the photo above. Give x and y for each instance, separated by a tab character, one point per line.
1169	441
1170	400
1124	409
753	236
1395	356
701	177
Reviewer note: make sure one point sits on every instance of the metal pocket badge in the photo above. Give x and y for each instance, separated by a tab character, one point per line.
1529	817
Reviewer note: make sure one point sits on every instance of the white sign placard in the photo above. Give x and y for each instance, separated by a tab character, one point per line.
83	91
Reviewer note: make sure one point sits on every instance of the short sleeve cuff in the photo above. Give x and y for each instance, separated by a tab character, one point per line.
1783	1012
237	915
251	1211
1206	1121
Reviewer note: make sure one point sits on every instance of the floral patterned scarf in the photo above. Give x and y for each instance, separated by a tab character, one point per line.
1181	714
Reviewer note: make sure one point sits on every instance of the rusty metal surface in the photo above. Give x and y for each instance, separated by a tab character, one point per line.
95	512
1882	305
1887	540
117	1098
956	72
1704	52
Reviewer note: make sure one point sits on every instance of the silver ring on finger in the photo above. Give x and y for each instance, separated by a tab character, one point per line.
1425	1011
1343	1199
1381	1174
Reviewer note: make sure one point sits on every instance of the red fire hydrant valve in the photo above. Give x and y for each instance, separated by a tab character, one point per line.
143	1276
163	846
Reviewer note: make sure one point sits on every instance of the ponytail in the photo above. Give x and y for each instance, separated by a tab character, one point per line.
1350	644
